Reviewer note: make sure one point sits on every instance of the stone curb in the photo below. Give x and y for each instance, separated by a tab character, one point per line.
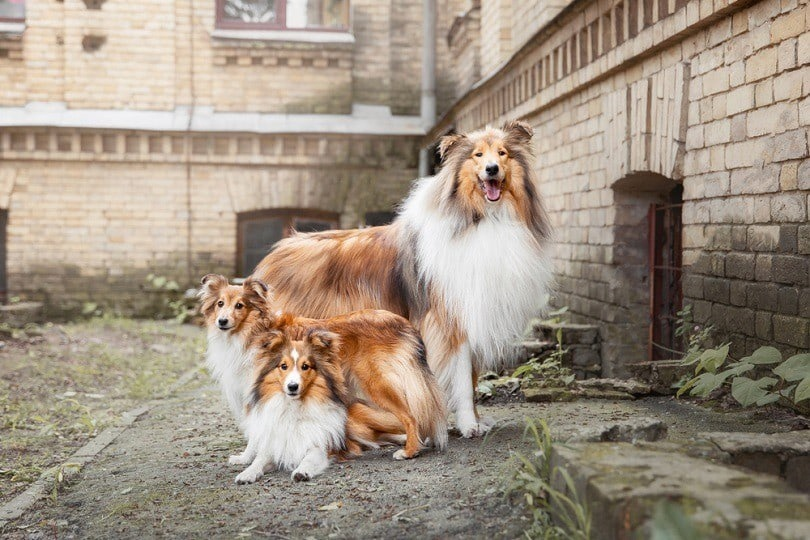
17	506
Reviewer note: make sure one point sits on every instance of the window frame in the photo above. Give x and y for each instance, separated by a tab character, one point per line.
289	215
222	23
15	19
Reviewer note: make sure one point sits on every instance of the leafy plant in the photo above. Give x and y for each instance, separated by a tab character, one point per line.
61	474
178	304
548	370
533	481
790	380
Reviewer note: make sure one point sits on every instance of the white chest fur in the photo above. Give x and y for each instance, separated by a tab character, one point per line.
492	276
232	367
285	430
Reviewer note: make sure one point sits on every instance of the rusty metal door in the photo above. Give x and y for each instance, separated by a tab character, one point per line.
666	296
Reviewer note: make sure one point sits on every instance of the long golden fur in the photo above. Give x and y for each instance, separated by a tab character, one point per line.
465	261
383	359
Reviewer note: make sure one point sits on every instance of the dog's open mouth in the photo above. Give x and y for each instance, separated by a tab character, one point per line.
492	189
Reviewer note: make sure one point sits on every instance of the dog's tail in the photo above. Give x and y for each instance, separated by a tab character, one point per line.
425	402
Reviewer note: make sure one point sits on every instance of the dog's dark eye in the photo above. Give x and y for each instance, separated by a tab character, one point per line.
479	154
239	305
304	367
284	367
502	153
220	303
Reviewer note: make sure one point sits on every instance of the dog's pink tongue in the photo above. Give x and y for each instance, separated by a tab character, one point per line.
493	192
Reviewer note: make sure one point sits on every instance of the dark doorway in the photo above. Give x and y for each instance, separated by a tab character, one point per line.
666	296
258	231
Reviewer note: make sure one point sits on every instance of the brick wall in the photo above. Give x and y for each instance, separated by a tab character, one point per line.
89	226
148	50
632	99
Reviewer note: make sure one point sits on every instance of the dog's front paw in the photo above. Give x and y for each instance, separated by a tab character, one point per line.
401	454
299	475
476	429
248	476
239	459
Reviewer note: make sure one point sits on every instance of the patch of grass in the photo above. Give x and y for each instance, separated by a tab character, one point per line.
60	385
555	514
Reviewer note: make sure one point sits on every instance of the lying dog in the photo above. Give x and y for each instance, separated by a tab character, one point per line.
380	353
301	412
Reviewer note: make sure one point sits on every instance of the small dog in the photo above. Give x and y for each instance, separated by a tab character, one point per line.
383	361
300	412
379	351
230	313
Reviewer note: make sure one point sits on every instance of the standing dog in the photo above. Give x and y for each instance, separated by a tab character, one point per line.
466	261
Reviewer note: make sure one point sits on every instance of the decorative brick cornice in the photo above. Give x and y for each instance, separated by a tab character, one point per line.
229	52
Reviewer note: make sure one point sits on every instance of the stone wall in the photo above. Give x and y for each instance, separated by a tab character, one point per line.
631	99
152	55
91	216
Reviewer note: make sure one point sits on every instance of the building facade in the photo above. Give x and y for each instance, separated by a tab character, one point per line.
182	136
672	143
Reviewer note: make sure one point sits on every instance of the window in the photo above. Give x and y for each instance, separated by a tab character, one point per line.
283	14
258	231
12	10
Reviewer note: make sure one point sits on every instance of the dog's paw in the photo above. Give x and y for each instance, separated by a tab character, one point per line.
477	429
248	476
239	459
400	454
300	476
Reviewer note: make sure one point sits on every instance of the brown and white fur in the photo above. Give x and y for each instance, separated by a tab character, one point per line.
466	261
298	410
383	361
230	312
380	352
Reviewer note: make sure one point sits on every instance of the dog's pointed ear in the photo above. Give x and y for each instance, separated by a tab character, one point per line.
212	282
256	292
272	340
518	130
449	143
323	339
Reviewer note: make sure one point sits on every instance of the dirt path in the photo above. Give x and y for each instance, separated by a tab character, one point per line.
167	476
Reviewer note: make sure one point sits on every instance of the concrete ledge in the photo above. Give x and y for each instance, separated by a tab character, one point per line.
622	483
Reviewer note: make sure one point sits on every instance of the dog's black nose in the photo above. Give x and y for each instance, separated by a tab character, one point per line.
492	169
292	387
223	322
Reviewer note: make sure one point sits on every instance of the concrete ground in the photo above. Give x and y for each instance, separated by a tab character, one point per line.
167	475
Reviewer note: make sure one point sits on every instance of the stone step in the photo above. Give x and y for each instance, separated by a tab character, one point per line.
572	334
622	483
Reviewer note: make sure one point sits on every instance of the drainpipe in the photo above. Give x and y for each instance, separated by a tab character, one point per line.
428	104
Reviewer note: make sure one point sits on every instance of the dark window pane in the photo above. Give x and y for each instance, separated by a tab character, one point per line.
12	9
257	238
250	11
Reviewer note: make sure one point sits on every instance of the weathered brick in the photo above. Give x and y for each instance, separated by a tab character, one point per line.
788	25
790	145
693	286
740	265
763	325
788	207
739	238
788	177
803	240
790	269
762	296
760	65
793	331
788	301
740	99
763	237
716	290
737	292
764	268
803	175
788	239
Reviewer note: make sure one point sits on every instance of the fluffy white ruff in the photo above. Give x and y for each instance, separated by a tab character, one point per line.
492	277
293	434
231	365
